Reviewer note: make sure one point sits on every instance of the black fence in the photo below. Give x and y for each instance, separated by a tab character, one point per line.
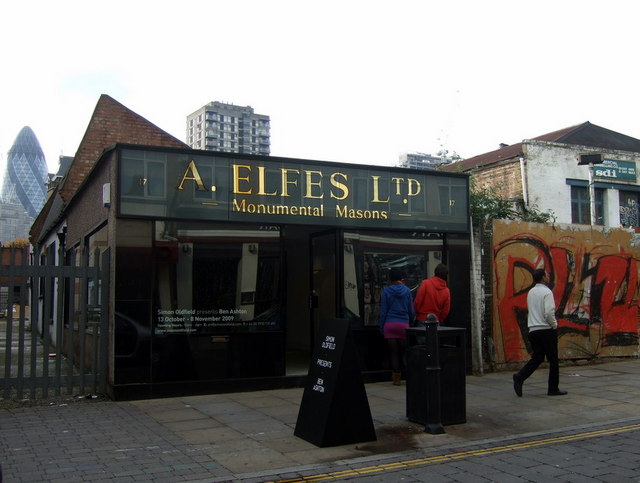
54	326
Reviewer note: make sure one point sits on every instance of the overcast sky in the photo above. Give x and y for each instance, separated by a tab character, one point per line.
354	81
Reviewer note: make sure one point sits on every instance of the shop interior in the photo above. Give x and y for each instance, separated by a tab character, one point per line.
240	301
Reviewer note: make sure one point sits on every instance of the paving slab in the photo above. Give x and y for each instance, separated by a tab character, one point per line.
250	436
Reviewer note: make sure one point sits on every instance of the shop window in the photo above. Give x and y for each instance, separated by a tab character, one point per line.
629	208
580	205
216	309
224	279
452	199
368	259
143	174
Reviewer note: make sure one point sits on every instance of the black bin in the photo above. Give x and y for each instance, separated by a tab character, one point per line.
451	352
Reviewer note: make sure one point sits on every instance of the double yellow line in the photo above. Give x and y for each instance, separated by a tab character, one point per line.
463	454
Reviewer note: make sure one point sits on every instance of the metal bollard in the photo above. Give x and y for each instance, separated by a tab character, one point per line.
434	417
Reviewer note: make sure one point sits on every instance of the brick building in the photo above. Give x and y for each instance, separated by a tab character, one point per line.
224	265
545	172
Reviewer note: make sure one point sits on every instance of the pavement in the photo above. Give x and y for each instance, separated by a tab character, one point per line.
249	436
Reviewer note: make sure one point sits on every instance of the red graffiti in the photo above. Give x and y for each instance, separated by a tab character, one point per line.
596	292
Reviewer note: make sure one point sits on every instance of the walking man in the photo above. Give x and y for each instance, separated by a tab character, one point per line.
543	335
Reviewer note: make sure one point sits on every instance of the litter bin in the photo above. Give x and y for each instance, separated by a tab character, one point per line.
451	352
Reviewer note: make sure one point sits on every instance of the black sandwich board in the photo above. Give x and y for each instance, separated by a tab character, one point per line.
334	408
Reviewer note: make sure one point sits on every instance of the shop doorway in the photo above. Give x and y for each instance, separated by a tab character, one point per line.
311	294
323	295
335	273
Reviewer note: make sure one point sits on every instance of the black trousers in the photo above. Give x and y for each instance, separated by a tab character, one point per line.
544	344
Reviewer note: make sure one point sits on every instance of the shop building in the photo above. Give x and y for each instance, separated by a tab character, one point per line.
226	263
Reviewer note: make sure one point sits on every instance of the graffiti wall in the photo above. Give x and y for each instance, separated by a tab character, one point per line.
594	279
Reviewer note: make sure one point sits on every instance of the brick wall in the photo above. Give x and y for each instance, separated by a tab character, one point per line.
505	176
87	212
111	123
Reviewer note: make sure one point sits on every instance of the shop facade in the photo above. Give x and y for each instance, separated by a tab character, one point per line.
225	264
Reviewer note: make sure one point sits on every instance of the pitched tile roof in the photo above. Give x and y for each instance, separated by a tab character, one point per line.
585	134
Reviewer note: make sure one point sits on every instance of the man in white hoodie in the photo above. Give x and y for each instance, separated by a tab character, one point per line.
543	335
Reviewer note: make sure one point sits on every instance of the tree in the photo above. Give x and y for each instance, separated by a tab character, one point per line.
17	243
487	205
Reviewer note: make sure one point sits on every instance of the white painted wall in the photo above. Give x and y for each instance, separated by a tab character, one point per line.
612	208
549	165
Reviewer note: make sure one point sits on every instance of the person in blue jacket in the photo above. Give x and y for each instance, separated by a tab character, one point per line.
396	314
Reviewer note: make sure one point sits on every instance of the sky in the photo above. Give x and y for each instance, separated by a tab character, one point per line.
347	81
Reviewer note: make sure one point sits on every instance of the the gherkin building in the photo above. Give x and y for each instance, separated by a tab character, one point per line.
26	176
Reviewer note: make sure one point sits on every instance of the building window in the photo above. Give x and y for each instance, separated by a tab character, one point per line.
580	205
629	208
143	175
369	256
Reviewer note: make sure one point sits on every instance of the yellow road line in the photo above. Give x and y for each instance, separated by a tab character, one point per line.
461	455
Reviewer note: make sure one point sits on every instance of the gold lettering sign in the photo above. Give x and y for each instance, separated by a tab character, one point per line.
191	173
237	179
311	184
282	190
286	181
376	190
341	186
262	182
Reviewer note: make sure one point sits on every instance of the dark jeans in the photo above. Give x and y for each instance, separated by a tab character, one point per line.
544	344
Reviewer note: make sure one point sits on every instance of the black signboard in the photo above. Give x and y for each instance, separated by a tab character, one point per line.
199	185
334	408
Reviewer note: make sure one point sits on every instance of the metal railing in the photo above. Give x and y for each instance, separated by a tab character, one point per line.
54	337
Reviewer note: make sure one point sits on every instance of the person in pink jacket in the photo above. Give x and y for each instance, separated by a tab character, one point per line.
433	296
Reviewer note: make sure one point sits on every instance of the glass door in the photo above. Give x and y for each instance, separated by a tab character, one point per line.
323	299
